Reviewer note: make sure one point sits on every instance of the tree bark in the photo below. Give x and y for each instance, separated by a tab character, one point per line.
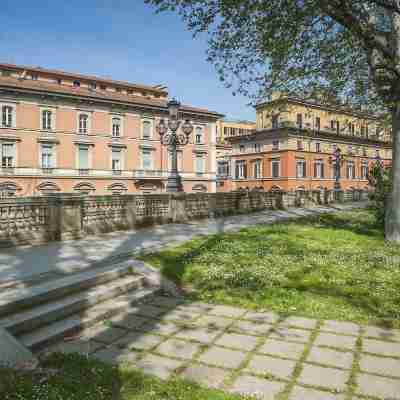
392	223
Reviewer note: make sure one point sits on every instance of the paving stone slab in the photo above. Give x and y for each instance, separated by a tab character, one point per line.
383	388
380	365
75	346
382	333
300	322
207	376
277	367
331	357
340	327
114	355
291	334
183	316
214	321
260	388
147	310
103	333
178	348
338	341
226	311
128	321
221	357
159	366
282	349
159	328
390	349
199	334
262	317
199	308
330	378
166	302
241	342
301	393
253	328
139	341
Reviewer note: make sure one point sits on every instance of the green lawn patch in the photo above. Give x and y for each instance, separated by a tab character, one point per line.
333	266
76	377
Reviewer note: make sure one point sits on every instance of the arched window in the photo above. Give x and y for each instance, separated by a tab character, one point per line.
117	188
84	188
7	116
8	189
46	120
47	187
83	123
116	127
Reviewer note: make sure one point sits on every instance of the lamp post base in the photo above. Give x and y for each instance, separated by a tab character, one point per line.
174	184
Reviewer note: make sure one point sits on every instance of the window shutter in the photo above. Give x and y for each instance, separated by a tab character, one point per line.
322	170
245	170
315	170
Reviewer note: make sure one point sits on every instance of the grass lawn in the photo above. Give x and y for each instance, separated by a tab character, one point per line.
334	266
75	377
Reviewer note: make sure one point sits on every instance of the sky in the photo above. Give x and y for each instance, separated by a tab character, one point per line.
120	39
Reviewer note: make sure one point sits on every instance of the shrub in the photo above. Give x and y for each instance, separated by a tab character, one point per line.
380	178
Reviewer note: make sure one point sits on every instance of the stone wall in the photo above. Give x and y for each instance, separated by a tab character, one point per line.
64	216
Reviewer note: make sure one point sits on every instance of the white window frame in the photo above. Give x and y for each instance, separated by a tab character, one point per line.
241	169
53	119
151	159
78	146
201	130
275	162
275	145
13	115
203	164
303	169
121	126
89	123
121	160
54	155
142	123
318	169
257	169
14	154
350	166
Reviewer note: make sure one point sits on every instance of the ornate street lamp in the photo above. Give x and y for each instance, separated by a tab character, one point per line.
337	160
169	137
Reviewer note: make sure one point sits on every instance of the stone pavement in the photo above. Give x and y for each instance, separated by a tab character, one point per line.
256	353
53	260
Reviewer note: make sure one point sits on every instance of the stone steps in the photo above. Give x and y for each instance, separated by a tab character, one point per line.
46	312
43	314
13	301
73	324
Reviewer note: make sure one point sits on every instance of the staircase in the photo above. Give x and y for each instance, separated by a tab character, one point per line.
45	313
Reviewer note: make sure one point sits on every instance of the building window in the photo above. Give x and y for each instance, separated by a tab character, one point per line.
334	148
364	170
242	148
352	128
77	84
7	155
301	169
47	116
275	168
146	130
59	81
147	159
318	147
351	170
350	150
198	138
92	85
364	152
34	77
319	169
47	156
275	121
240	170
83	157
317	124
257	169
103	87
116	126
199	167
300	145
275	145
300	121
257	147
377	154
83	123
223	168
116	159
7	116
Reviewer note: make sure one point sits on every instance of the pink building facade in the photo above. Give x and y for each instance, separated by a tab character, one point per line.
62	132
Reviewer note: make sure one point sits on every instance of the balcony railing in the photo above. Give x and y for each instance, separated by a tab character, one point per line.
83	172
116	172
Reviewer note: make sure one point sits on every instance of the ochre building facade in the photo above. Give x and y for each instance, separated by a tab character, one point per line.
65	132
293	145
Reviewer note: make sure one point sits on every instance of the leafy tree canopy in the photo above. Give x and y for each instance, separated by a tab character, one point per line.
333	50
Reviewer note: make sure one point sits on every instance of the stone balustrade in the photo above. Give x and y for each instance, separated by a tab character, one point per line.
37	220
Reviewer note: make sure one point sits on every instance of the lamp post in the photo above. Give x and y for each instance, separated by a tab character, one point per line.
170	138
337	161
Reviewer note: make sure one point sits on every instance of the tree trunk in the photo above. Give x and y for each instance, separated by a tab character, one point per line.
392	223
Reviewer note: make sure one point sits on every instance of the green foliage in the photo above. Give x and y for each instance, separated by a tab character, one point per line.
380	179
334	266
76	377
